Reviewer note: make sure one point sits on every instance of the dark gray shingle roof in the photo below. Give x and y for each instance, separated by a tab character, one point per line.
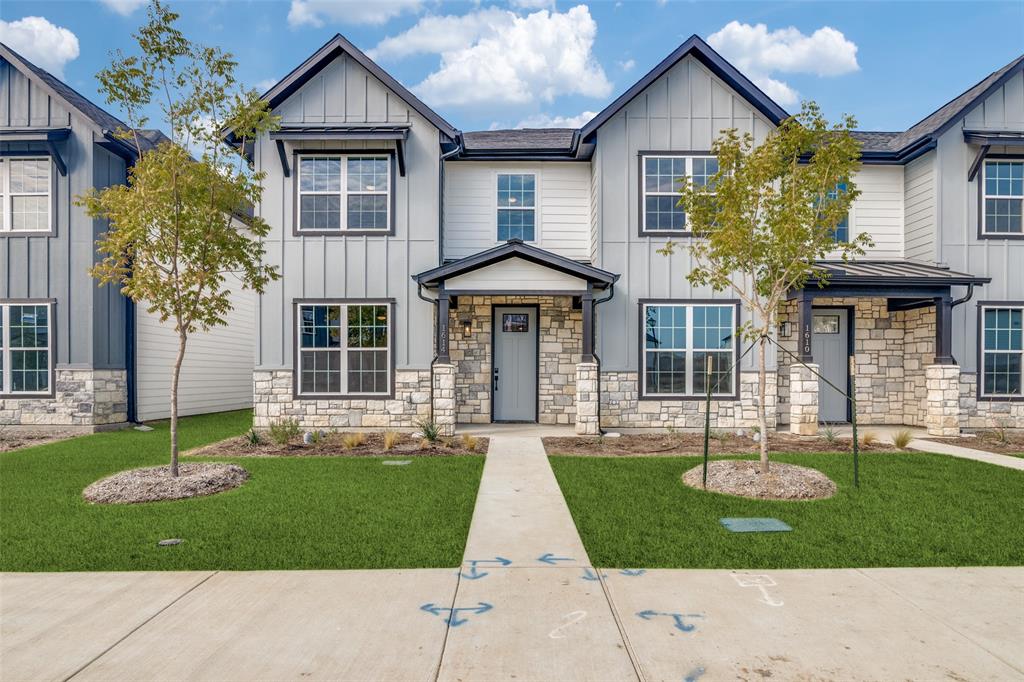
549	139
872	141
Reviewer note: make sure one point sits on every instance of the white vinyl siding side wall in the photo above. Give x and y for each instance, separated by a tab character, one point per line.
563	204
919	208
878	210
217	373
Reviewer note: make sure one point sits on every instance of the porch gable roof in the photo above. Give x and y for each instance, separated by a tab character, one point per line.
515	248
888	273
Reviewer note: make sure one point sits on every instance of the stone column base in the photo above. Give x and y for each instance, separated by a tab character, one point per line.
443	378
587	399
942	416
803	399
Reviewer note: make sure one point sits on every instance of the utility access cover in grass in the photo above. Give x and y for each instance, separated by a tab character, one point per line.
755	525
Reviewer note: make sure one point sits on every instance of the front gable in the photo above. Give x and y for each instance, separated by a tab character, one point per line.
25	104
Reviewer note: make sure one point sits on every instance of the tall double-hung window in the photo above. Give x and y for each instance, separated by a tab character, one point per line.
842	230
26	357
517	206
1003	198
344	348
661	177
344	193
678	340
25	197
1002	351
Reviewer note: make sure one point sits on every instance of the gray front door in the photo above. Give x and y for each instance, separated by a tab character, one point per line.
830	348
514	380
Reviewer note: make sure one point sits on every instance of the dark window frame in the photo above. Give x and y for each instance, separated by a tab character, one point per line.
980	181
641	343
980	357
641	194
297	304
297	154
51	303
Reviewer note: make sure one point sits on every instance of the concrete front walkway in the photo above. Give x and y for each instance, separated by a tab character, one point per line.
525	605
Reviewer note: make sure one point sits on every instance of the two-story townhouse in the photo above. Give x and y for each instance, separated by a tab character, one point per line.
514	275
73	353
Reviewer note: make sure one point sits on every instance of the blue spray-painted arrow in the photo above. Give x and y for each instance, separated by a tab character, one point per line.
591	575
453	613
550	558
475	574
694	674
680	624
632	572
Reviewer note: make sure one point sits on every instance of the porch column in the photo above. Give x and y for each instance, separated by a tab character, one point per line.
441	328
588	326
442	377
805	317
803	399
587	398
944	330
943	408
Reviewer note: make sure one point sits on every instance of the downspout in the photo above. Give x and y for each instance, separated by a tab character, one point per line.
440	200
597	358
433	361
968	296
129	359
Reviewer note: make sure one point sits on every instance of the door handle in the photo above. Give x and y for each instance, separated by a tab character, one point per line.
495	378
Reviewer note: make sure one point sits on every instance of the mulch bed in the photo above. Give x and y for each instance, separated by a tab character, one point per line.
15	439
154	484
672	444
333	445
989	441
782	482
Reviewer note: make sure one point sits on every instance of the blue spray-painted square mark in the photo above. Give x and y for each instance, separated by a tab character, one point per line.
755	525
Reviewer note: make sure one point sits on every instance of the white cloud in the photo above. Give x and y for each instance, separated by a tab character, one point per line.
264	85
627	65
518	60
316	12
533	4
40	42
440	34
758	53
124	7
549	121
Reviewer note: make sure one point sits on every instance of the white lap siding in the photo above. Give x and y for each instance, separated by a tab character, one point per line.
217	373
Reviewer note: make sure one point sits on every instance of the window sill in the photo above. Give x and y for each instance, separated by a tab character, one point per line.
1001	235
26	396
344	233
1001	398
665	233
344	396
672	398
28	233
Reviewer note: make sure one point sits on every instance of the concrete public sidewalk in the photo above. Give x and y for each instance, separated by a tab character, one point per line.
526	605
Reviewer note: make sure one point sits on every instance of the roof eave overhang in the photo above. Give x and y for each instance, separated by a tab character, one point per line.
995	138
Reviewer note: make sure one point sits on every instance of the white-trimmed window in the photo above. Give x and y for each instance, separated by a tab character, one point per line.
517	206
338	193
1003	197
661	177
677	341
344	349
1002	351
25	194
26	358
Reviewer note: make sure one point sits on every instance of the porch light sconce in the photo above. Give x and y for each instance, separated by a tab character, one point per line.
785	329
467	325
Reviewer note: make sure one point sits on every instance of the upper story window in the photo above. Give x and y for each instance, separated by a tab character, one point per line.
25	348
344	349
1002	349
25	194
842	231
661	175
678	339
344	193
1003	197
517	206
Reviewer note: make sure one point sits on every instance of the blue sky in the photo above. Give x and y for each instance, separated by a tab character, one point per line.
544	62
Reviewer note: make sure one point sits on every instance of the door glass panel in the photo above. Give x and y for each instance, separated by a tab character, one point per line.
826	324
515	322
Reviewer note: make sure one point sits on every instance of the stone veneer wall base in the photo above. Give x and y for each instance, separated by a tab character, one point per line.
803	399
82	397
942	417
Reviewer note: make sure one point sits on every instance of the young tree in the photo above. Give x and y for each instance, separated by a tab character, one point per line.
174	236
769	213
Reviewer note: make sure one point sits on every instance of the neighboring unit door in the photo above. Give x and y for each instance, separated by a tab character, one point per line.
514	371
830	348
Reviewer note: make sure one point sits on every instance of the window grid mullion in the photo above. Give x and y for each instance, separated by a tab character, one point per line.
689	350
5	351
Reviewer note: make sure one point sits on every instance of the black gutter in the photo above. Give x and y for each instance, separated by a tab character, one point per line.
130	363
597	358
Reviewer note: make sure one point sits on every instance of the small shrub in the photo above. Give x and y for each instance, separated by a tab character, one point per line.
390	438
353	440
429	430
317	437
470	442
829	434
670	429
424	444
902	438
252	438
284	431
719	435
999	433
869	438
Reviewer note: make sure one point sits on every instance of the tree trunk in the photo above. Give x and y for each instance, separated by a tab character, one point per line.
182	338
762	391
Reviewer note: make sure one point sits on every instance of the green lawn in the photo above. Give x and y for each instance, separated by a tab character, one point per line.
293	513
910	510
